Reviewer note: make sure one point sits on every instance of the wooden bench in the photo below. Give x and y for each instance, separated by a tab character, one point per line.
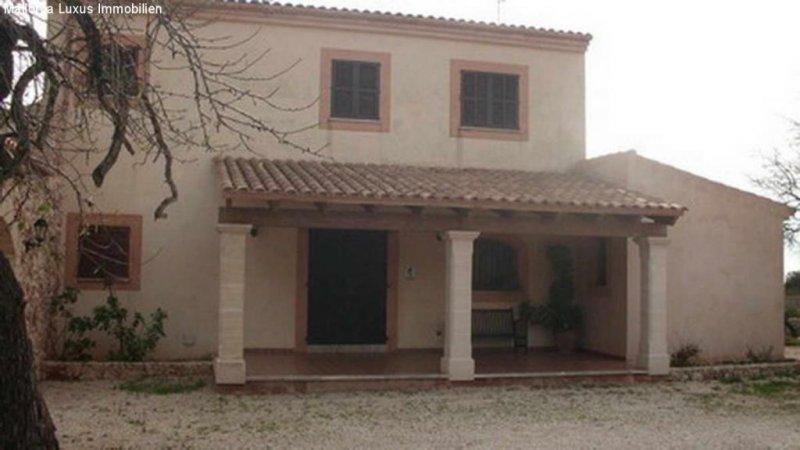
499	324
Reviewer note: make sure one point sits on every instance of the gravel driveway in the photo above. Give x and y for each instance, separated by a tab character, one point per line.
733	414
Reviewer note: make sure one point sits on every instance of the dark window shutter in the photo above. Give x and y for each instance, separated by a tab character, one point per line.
489	100
494	266
120	63
355	90
103	253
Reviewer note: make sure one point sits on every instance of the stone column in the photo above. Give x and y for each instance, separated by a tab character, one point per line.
457	361
229	367
653	354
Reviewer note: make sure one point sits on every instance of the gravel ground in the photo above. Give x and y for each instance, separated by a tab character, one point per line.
732	414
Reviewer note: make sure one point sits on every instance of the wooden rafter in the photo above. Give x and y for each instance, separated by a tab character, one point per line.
570	224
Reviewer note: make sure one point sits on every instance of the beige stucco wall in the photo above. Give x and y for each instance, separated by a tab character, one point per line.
420	98
605	307
421	299
271	289
180	254
725	272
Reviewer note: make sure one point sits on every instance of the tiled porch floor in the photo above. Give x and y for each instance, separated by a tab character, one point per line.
275	363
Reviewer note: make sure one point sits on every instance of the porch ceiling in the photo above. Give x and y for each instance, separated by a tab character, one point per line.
323	194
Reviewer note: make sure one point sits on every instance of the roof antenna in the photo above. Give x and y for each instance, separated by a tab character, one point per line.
499	9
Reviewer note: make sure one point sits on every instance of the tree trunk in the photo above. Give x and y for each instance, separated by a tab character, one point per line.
25	422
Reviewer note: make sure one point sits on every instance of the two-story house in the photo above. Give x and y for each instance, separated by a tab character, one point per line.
454	157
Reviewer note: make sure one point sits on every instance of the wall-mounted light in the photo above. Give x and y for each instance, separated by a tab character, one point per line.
39	234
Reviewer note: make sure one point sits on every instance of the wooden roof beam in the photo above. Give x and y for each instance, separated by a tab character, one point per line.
504	213
566	225
665	220
461	212
415	210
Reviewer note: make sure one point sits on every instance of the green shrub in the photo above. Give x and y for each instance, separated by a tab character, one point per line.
135	339
136	336
686	355
792	283
760	355
561	312
72	339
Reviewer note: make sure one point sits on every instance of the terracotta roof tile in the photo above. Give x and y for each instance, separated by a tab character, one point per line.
431	186
415	17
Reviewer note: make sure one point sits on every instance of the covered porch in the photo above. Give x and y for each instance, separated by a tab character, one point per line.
434	215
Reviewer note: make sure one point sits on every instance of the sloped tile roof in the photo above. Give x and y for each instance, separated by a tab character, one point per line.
320	181
419	18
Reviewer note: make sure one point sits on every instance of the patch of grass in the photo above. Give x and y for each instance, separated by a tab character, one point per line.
730	379
156	386
771	388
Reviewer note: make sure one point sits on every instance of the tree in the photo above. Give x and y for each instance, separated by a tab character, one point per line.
78	75
781	177
792	283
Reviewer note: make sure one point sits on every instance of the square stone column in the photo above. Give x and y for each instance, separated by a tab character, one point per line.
457	361
653	354
229	367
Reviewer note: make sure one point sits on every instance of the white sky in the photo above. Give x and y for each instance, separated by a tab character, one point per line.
703	85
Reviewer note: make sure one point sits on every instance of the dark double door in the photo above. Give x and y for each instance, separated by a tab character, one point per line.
347	287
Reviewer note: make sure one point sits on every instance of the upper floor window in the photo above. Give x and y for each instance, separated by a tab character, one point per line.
121	67
356	90
124	64
103	250
489	100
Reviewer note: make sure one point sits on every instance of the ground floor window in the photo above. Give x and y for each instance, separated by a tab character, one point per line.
103	250
495	266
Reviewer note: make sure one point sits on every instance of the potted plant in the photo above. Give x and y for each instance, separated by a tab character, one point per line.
561	315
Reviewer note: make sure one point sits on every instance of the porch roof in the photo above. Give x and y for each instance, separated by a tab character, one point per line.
399	185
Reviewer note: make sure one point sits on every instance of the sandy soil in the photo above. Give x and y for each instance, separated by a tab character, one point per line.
674	415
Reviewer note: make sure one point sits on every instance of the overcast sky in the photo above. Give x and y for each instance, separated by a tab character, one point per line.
703	85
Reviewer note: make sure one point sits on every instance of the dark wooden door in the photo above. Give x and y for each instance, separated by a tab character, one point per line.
347	287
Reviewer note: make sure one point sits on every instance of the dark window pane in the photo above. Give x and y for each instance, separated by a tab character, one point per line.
343	103
103	253
468	85
494	266
482	113
355	90
368	105
119	68
468	112
496	118
368	76
343	74
511	88
510	116
497	87
482	88
489	100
